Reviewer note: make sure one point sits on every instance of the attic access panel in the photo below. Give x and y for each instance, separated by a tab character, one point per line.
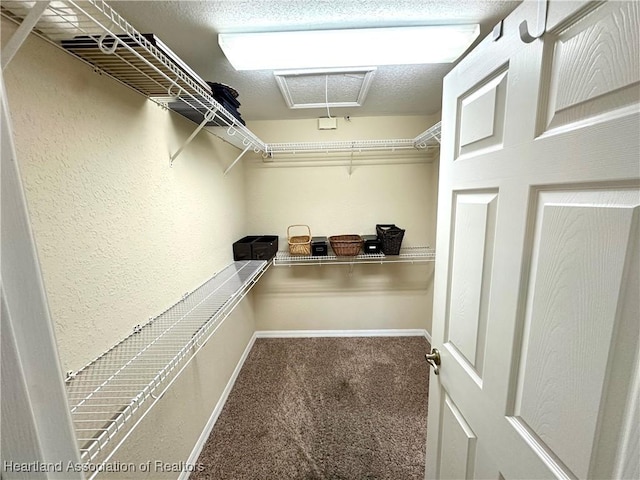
336	87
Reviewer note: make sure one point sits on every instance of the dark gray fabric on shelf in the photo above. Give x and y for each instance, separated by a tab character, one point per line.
324	408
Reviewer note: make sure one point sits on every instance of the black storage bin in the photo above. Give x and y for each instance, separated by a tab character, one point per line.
371	244
265	247
242	249
391	237
319	246
255	247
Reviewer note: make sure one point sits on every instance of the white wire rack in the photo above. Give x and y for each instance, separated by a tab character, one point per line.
339	146
430	138
427	140
407	255
112	393
93	31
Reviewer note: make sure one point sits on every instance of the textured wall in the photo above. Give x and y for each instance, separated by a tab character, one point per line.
120	234
169	438
333	202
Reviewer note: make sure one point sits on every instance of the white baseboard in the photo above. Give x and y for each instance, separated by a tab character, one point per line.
427	335
341	333
197	449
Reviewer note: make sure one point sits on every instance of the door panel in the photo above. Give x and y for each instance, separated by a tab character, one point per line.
473	237
485	467
583	82
458	444
482	115
580	250
538	251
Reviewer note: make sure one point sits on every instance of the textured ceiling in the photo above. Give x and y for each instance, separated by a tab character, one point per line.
190	29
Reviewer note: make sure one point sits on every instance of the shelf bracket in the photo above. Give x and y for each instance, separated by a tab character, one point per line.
351	163
528	34
238	159
209	116
23	31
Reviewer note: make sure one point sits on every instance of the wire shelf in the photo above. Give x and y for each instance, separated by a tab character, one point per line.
427	140
94	32
430	138
407	255
339	146
124	382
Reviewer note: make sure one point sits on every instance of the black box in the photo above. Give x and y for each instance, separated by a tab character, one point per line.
372	244
319	247
265	247
255	247
242	248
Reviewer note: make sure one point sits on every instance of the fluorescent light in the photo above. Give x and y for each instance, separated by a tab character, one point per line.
347	48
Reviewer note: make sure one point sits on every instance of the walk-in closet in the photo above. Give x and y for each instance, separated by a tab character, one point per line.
407	269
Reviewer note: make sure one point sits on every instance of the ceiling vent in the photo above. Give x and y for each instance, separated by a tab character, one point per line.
336	87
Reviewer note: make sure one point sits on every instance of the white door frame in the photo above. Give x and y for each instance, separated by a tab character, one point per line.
36	423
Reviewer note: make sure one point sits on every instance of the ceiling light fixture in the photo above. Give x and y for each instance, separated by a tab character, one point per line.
347	48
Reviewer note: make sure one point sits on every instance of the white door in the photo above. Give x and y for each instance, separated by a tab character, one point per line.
536	312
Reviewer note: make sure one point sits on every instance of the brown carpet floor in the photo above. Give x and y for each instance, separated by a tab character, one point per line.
324	409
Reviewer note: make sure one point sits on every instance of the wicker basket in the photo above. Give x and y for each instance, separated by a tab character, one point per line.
391	237
299	244
346	245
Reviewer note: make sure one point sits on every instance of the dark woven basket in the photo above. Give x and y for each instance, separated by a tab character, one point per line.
346	245
391	238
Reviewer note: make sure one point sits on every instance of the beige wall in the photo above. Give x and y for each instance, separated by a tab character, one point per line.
356	128
398	188
120	234
333	298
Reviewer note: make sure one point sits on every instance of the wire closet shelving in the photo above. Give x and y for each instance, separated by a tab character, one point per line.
110	395
92	31
95	33
407	255
427	140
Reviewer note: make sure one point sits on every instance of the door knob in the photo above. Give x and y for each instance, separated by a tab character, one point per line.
434	360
